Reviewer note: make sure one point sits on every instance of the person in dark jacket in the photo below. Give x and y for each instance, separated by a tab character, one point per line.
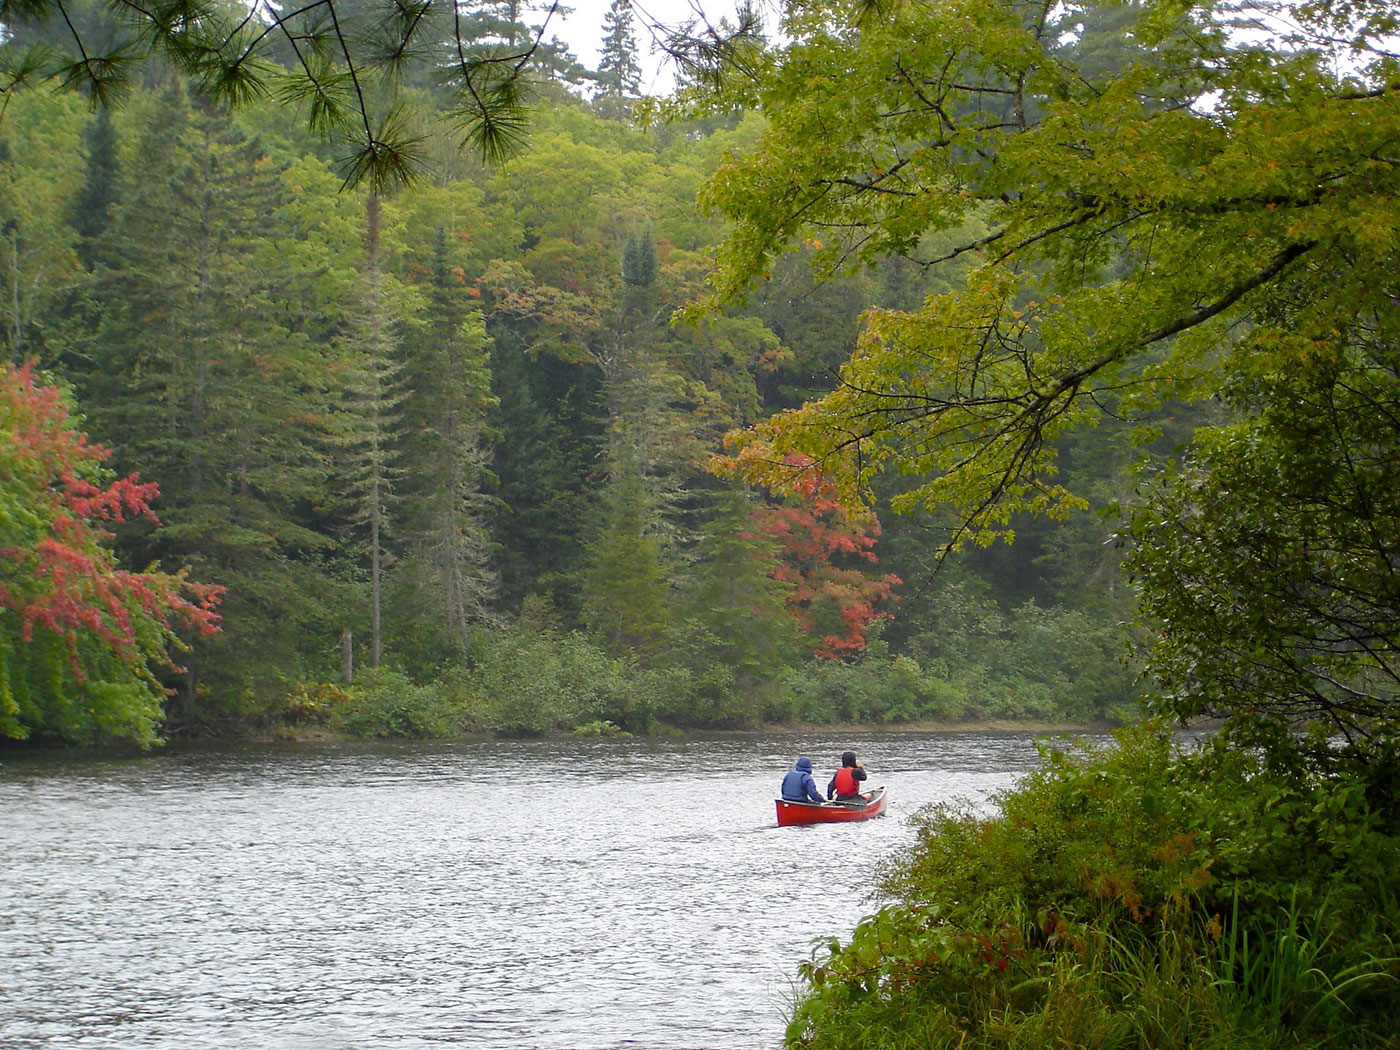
798	785
845	785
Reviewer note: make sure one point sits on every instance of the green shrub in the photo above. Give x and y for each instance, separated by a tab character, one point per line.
385	703
314	703
1029	663
1133	896
873	688
530	682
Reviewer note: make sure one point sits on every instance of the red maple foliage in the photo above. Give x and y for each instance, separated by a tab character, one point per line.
59	572
816	535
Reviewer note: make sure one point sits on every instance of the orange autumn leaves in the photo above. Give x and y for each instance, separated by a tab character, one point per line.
823	550
57	573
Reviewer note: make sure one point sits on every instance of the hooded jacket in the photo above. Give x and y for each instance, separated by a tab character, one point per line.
798	785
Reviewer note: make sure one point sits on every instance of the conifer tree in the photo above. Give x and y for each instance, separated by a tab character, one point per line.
619	72
195	383
735	602
372	400
625	593
92	208
448	396
542	458
38	264
639	257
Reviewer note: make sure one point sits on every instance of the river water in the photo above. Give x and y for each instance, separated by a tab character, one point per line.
573	895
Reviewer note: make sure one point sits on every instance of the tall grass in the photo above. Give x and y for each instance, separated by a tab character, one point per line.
1286	971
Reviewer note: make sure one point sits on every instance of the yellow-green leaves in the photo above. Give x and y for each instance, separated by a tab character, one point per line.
1155	191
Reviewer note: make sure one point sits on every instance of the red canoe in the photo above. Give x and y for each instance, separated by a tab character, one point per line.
790	813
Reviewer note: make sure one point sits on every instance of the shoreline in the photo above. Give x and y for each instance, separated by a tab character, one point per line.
321	735
989	725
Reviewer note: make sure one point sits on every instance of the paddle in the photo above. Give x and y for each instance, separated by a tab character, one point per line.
855	803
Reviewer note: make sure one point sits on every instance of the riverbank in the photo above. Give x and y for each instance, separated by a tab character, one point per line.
989	725
321	733
1138	895
326	735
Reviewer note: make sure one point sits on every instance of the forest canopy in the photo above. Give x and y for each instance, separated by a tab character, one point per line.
1173	203
987	266
449	457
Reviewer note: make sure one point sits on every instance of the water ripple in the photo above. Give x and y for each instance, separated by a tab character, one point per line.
538	896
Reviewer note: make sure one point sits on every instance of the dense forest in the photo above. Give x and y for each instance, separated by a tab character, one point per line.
435	457
451	458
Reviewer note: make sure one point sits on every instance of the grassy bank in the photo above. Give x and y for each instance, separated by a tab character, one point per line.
1133	897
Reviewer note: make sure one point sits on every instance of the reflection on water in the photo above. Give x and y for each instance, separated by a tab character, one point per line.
553	895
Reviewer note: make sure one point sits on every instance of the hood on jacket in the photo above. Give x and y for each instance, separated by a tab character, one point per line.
804	763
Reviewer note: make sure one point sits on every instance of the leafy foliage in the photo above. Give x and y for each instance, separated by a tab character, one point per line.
83	640
834	602
530	682
386	703
1138	896
1181	201
1268	556
1160	202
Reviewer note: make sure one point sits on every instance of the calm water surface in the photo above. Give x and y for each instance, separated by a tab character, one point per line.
537	896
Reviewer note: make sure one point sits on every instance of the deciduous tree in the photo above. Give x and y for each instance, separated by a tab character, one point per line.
1215	200
1158	204
83	641
1269	557
821	545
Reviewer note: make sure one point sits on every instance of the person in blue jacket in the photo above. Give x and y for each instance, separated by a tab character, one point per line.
798	785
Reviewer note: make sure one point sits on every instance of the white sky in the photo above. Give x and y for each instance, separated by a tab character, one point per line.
583	29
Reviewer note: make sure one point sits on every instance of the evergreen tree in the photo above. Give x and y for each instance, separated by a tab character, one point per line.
38	265
542	463
515	27
448	396
549	432
639	257
197	385
619	72
92	208
625	593
642	390
736	607
372	411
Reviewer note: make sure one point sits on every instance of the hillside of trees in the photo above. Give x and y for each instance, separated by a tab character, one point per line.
994	265
451	459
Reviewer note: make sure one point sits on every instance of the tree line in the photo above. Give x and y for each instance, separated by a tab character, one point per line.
446	443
